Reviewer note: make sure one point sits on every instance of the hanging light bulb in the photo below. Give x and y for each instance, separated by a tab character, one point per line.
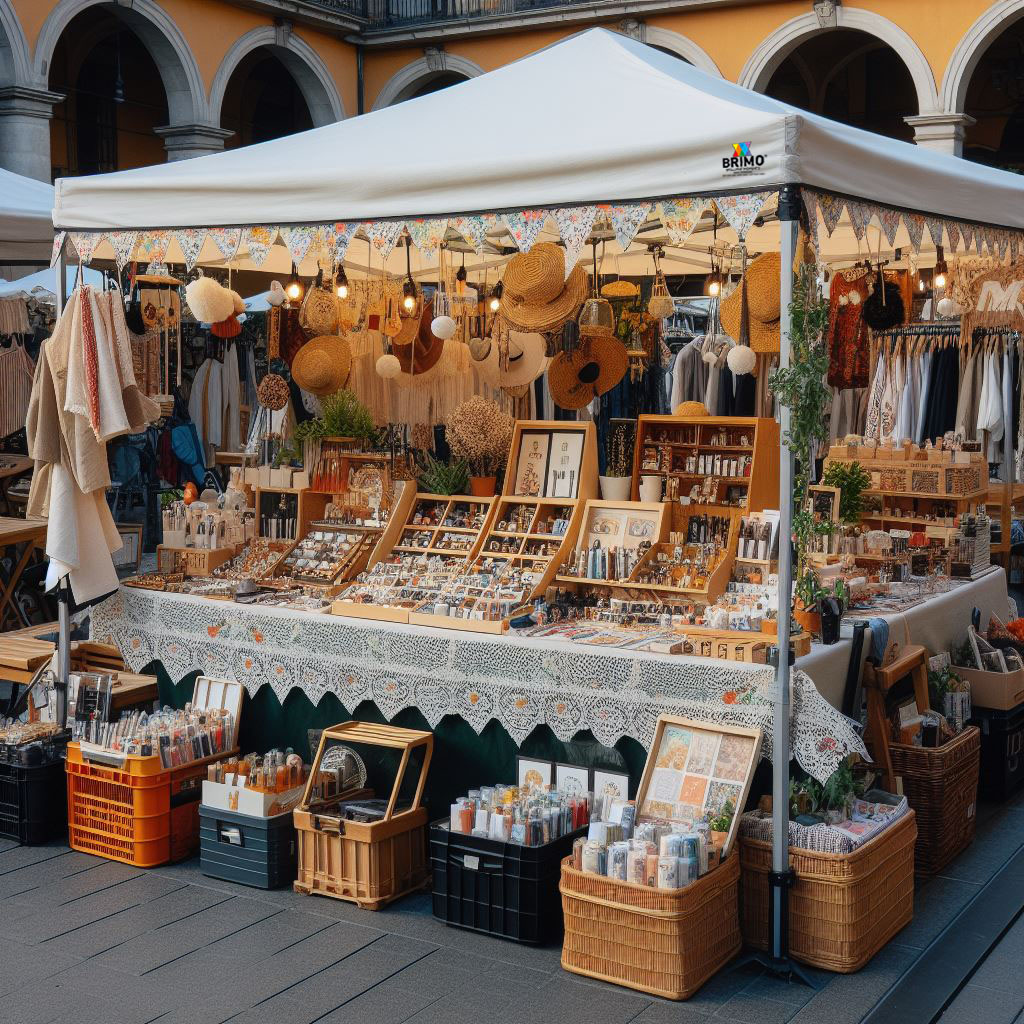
941	269
713	282
409	295
294	289
495	302
341	284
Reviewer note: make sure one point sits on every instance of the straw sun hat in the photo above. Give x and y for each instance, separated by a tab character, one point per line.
322	365
527	358
595	366
536	296
763	305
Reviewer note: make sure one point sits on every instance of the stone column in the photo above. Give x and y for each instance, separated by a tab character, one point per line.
25	115
942	132
184	141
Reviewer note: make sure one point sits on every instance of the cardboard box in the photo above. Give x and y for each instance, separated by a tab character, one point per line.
1000	691
263	479
300	480
252	476
220	795
281	477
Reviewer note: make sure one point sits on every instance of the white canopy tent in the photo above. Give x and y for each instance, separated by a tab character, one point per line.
42	284
26	226
597	118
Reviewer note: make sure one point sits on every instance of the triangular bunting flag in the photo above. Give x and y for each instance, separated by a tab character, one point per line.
574	225
190	241
58	242
625	221
890	221
680	216
123	244
967	232
953	230
830	209
84	243
226	240
741	211
1014	246
258	241
340	235
153	246
935	227
914	224
1003	244
813	220
474	228
860	217
427	234
299	238
383	235
525	227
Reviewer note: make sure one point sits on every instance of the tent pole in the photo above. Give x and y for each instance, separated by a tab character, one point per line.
63	589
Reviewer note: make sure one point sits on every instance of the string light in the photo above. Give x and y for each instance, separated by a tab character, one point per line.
941	269
341	283
409	297
495	303
295	289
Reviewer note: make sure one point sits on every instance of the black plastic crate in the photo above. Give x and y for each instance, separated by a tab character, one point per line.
1002	751
33	801
245	848
498	888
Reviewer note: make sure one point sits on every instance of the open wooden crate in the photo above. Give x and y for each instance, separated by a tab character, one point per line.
368	863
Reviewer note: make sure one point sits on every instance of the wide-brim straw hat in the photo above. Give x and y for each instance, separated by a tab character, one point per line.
536	295
527	357
763	304
322	365
593	368
425	351
691	409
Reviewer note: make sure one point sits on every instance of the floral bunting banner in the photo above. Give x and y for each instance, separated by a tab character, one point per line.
967	231
680	216
427	234
625	221
58	243
830	209
342	232
190	241
813	220
299	239
258	241
953	231
123	243
574	225
383	235
227	240
860	217
1003	244
914	223
474	228
934	229
1014	246
742	211
84	243
525	227
890	221
153	247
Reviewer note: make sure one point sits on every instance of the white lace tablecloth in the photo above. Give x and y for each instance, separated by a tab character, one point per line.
520	682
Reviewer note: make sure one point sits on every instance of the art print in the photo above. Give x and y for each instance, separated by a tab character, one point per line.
719	795
733	761
703	749
572	779
639	528
564	464
532	463
675	745
533	774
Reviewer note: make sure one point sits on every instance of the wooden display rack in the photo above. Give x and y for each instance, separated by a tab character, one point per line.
368	863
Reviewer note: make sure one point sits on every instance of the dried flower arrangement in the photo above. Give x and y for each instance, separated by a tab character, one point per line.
480	433
621	438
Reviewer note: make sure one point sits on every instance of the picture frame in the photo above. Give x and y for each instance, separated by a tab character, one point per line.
573	779
532	463
565	462
824	503
694	769
609	785
129	556
533	772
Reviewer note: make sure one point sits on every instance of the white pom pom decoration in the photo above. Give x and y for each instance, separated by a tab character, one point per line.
854	298
948	307
844	300
388	367
443	327
741	359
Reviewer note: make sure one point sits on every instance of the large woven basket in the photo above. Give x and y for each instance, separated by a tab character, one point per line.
843	907
667	942
941	784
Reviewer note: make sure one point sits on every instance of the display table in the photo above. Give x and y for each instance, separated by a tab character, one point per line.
521	683
15	534
934	623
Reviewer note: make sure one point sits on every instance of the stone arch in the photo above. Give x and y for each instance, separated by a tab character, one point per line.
665	38
15	60
315	83
183	84
402	84
971	48
772	51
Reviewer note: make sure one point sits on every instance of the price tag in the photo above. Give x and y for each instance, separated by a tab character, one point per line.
471	862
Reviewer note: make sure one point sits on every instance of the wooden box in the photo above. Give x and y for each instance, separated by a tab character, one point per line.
368	863
192	561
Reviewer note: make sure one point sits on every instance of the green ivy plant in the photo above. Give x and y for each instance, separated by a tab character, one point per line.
853	480
722	821
801	387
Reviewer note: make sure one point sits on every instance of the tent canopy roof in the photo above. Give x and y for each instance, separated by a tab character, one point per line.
598	117
26	228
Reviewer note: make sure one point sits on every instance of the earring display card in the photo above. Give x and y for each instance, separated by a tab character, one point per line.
564	465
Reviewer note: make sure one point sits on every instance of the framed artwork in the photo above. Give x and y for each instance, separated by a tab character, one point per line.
129	555
696	771
533	773
824	503
572	779
610	786
565	462
532	462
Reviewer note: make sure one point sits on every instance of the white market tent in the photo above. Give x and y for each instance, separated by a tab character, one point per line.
26	227
42	284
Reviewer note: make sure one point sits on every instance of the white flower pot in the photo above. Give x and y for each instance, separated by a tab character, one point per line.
615	488
650	487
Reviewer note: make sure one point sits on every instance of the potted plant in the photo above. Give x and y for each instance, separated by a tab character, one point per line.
853	480
437	477
342	416
615	485
481	434
721	823
802	388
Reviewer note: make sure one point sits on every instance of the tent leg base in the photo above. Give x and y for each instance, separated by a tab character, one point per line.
784	967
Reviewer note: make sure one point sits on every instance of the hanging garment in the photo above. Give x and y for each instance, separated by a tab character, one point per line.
14	317
689	375
205	405
16	373
848	348
922	399
990	412
872	427
966	412
943	387
231	400
908	400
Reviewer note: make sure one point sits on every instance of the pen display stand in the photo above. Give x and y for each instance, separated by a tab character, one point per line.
354	846
131	808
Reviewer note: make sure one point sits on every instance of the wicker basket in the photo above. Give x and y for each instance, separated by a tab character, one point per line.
667	942
941	784
843	907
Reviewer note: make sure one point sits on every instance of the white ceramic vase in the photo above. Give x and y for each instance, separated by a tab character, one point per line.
650	487
615	488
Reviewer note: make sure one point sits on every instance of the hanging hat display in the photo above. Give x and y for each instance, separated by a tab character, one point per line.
322	365
761	286
209	302
522	361
595	367
423	354
535	293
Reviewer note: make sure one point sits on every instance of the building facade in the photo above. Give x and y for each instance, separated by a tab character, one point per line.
88	86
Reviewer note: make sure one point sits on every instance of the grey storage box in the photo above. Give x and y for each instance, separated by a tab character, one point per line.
245	848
